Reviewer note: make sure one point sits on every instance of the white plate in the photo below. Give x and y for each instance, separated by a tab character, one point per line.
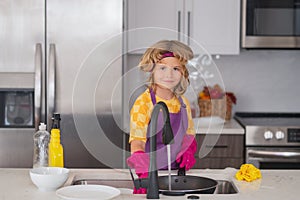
126	191
208	121
87	192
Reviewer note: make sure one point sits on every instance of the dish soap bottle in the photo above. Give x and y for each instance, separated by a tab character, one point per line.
56	153
40	152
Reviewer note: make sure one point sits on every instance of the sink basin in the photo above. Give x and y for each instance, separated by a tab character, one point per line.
223	187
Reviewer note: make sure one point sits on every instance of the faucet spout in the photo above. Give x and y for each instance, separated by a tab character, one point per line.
153	189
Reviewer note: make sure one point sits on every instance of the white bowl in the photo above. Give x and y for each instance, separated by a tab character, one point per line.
49	178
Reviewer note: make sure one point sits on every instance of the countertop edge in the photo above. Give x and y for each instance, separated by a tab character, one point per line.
229	127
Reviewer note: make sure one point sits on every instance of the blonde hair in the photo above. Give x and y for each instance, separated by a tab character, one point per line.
155	53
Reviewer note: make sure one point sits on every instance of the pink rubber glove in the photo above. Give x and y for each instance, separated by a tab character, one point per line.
185	157
139	161
141	190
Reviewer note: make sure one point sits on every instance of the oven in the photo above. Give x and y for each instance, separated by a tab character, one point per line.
272	140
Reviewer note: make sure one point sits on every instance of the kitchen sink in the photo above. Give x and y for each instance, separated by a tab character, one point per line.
223	187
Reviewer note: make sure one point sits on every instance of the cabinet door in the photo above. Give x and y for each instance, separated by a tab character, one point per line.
214	24
218	163
224	146
219	151
151	21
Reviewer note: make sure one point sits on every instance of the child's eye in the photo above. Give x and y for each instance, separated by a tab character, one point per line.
162	67
176	68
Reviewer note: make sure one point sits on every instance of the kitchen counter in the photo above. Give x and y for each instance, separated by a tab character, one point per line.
15	184
229	127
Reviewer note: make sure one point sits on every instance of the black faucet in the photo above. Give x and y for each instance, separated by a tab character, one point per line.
153	189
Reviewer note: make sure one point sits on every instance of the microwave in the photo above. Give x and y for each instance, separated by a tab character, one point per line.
271	24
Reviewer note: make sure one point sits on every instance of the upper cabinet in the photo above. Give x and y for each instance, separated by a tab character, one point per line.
151	21
215	24
212	24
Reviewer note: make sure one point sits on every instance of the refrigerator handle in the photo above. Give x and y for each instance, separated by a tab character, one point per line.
38	62
51	82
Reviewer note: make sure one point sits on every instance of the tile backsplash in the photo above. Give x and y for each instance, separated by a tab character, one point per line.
263	81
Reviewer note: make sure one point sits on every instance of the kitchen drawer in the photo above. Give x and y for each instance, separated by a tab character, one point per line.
218	163
220	146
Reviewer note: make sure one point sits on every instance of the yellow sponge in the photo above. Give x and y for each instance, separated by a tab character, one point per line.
248	172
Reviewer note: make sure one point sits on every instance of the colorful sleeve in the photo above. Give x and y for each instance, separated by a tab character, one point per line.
191	128
140	117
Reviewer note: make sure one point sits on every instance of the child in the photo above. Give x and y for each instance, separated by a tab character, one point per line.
168	80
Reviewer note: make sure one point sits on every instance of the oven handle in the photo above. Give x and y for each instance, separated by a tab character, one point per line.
284	154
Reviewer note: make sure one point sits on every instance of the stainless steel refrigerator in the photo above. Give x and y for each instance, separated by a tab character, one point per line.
70	54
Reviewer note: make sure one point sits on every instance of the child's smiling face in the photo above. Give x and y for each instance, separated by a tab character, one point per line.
167	72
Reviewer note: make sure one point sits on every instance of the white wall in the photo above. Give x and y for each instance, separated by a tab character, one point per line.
262	80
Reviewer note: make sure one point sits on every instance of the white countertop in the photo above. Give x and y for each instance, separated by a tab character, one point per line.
15	184
229	127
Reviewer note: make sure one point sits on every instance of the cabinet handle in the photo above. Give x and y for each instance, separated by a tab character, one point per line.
189	27
179	24
217	146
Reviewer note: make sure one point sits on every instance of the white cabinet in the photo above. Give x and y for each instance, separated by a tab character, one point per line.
214	24
151	21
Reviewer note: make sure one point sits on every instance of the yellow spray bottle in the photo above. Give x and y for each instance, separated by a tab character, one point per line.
56	152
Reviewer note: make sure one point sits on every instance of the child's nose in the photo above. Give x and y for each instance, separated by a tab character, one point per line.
169	72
